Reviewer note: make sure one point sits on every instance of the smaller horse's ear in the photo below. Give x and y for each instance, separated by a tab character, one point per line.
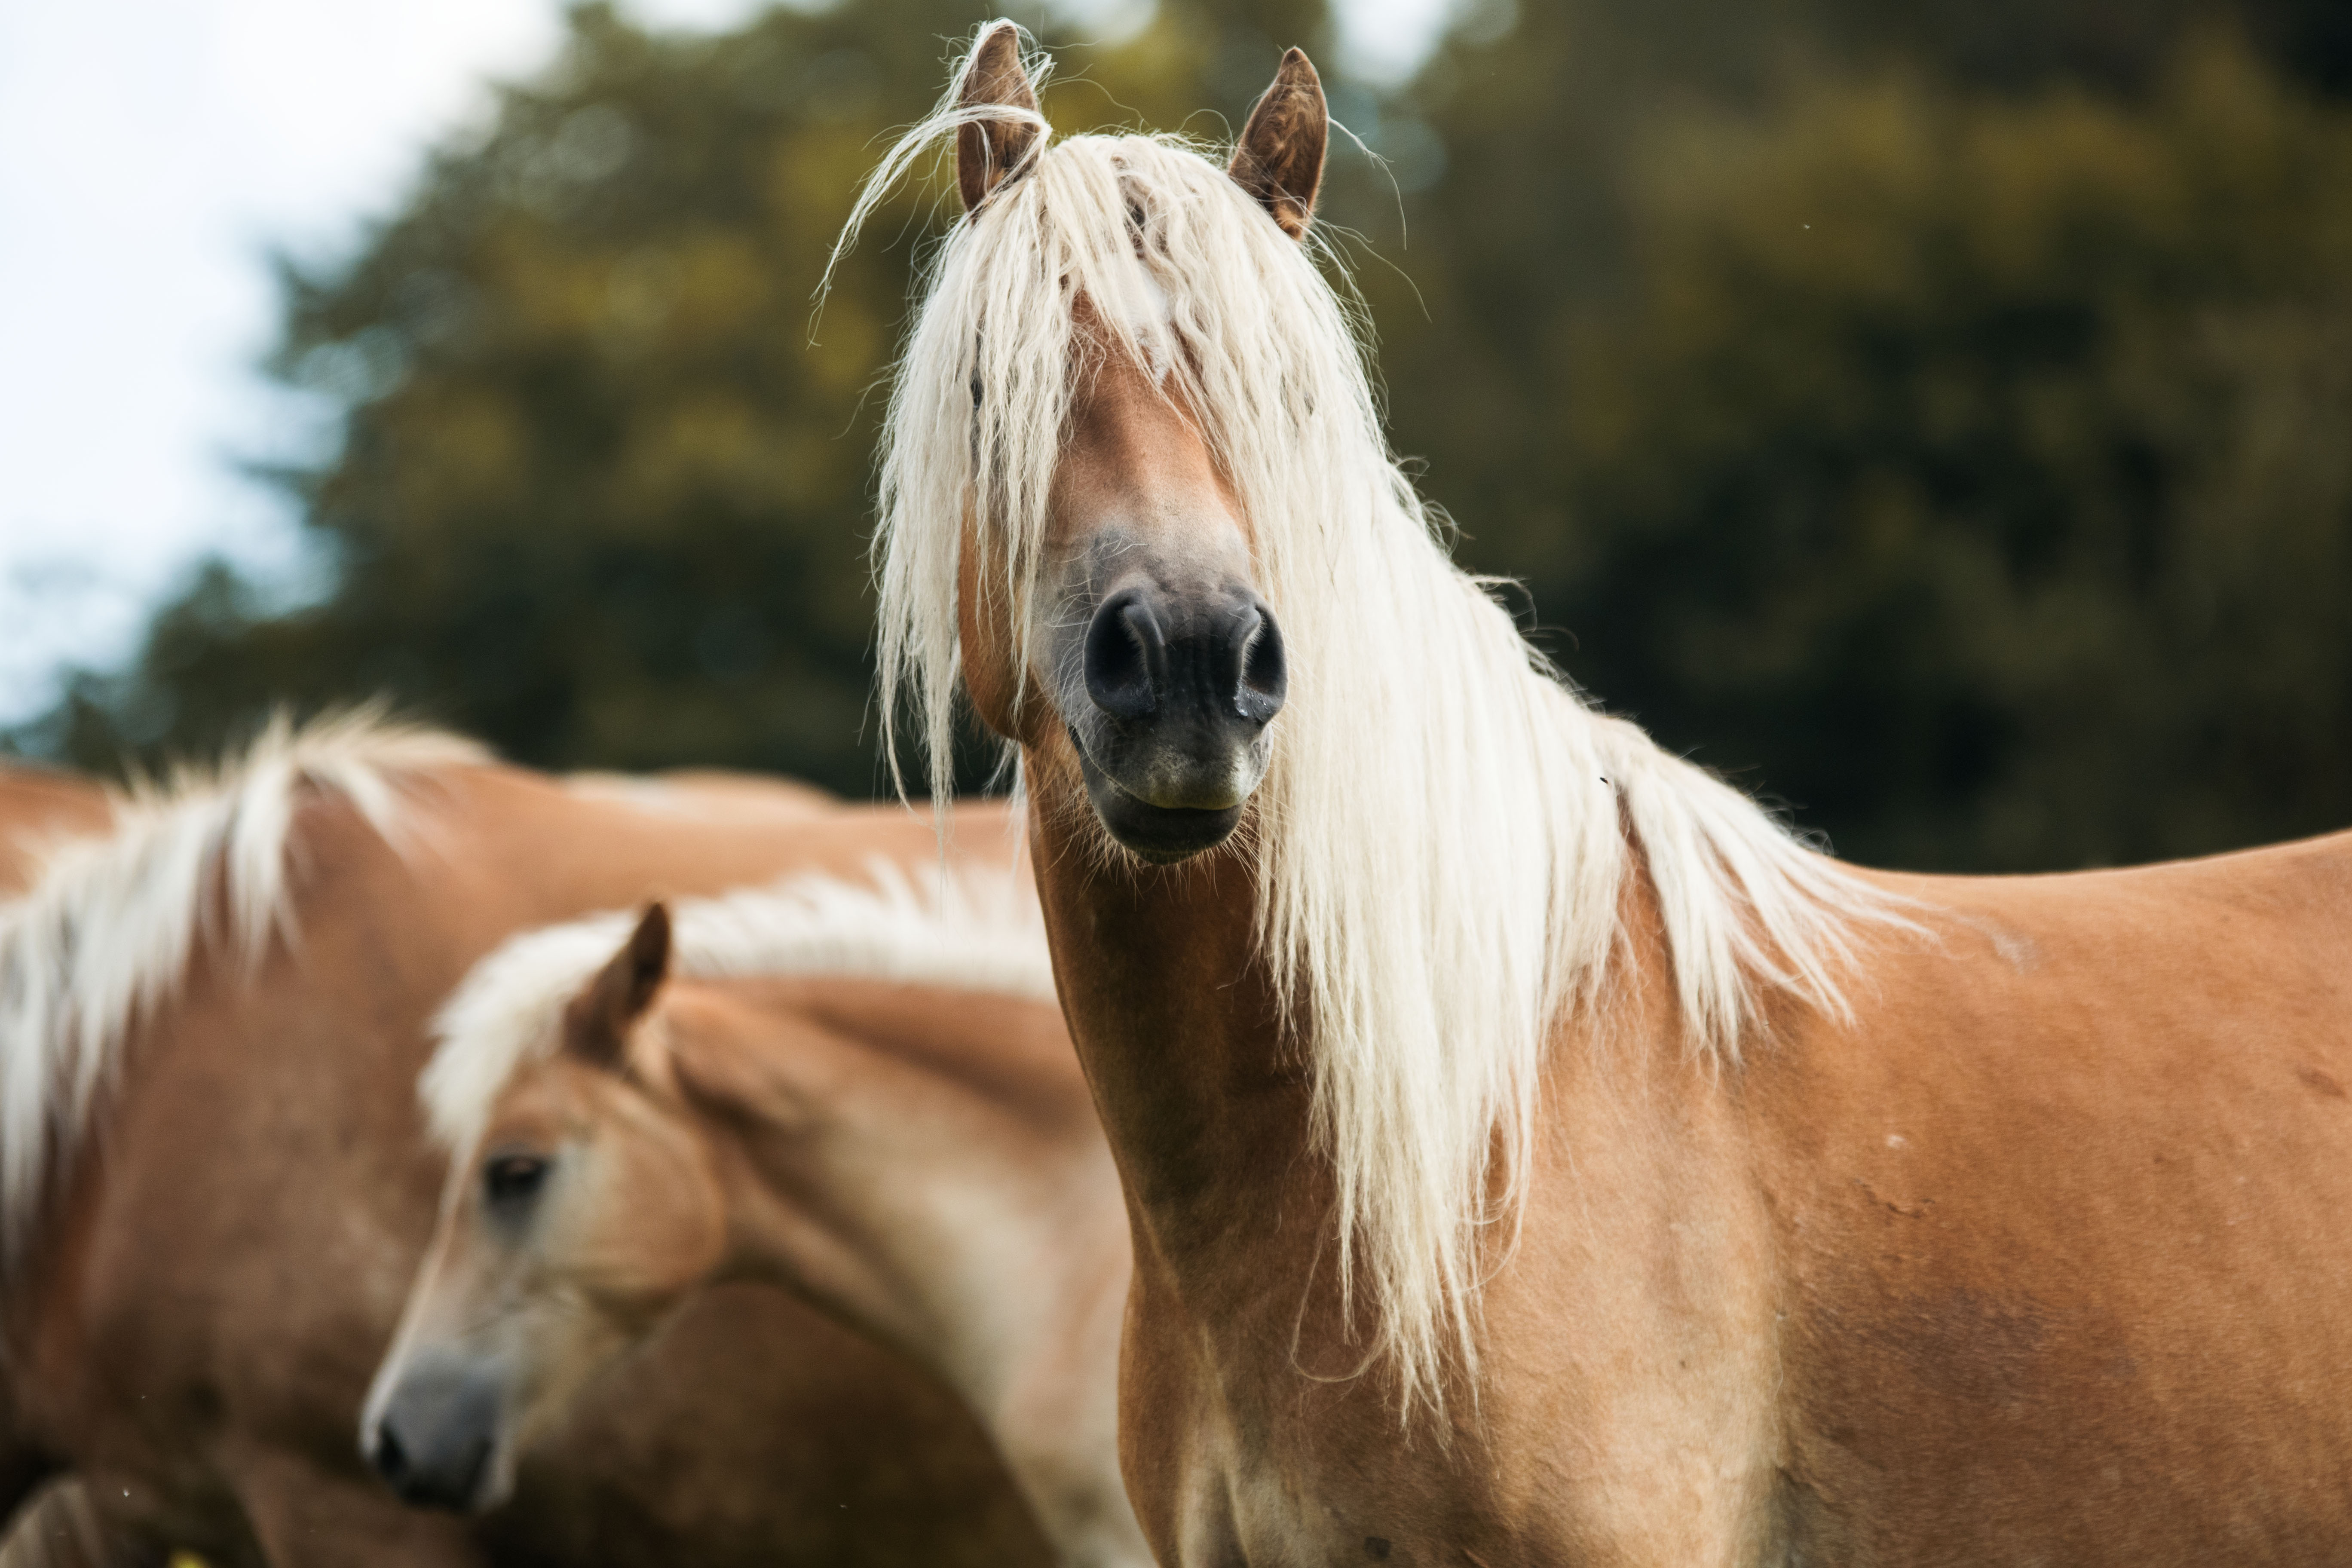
596	1024
1279	159
988	150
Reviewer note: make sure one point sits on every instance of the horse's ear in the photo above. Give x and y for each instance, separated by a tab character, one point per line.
1280	157
988	150
596	1024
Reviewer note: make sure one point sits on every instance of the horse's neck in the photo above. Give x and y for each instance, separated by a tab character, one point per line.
1249	1434
980	1233
1206	1105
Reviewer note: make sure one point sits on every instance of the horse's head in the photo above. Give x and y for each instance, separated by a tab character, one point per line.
1161	659
1112	613
586	1209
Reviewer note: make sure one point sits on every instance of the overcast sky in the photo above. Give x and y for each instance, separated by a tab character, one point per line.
151	153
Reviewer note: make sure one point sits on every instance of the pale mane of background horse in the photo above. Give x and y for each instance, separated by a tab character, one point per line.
244	1069
968	932
1445	829
199	855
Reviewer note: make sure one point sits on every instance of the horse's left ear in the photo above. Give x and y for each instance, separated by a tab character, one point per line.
1280	157
989	149
596	1024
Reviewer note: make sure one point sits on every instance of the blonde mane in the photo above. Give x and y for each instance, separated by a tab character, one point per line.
106	934
1446	828
972	930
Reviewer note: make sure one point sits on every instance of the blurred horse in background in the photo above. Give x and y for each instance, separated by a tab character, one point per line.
1536	1154
861	1092
214	1187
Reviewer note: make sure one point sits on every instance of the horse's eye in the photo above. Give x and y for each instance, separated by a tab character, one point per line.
975	389
513	1179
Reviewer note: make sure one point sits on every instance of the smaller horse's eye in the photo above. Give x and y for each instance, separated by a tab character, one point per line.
975	389
513	1179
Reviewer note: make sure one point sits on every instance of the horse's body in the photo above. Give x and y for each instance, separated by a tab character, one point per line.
1534	1156
857	1093
211	1255
2063	1225
2044	1257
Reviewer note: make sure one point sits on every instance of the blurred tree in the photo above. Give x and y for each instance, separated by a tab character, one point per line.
599	498
1976	473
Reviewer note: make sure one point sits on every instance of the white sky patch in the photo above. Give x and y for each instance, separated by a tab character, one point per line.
1384	41
151	153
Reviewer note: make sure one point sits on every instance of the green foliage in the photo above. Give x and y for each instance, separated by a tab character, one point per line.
2016	43
1973	472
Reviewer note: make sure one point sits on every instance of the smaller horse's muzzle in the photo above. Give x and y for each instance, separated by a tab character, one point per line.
1181	689
439	1434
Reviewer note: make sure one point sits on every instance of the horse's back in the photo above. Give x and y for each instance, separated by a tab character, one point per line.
2066	1222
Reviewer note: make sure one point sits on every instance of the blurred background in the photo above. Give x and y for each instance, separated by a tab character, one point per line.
1937	418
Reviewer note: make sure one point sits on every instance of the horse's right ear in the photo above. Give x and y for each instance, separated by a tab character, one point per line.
596	1024
988	150
1279	159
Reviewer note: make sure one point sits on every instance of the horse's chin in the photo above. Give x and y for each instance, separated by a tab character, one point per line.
1162	834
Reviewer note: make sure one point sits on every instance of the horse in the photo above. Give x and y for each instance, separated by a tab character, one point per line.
1534	1151
214	1187
852	1090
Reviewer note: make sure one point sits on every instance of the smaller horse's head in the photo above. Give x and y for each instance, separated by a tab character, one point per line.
584	1212
1145	646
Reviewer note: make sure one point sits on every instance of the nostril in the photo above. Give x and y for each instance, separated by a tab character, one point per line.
1265	671
1126	656
391	1460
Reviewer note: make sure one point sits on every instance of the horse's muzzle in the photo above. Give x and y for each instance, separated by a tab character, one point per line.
1180	690
434	1442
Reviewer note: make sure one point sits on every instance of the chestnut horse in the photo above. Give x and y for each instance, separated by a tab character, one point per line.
1534	1154
214	1187
861	1094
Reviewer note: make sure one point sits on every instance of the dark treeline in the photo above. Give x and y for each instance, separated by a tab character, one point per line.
1937	417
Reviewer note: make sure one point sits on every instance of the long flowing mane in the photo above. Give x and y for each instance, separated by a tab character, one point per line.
970	931
109	930
1446	828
